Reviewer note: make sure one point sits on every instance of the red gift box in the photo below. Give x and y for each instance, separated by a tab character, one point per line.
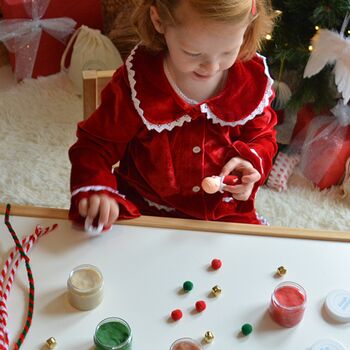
87	12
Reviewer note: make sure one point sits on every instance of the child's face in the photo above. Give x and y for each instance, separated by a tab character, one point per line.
200	49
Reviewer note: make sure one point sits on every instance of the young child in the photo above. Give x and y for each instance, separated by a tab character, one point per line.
192	100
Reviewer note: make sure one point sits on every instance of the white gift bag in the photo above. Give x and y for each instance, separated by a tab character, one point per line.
91	51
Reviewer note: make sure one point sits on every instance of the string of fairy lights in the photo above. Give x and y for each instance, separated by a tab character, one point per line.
317	28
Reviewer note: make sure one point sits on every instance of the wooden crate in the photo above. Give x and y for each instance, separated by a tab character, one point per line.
93	83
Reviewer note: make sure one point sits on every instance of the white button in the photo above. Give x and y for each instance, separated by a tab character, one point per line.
196	189
196	149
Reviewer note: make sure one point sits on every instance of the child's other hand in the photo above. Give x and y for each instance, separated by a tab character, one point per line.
101	205
249	176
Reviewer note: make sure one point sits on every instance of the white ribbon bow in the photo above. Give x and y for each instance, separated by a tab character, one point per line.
22	36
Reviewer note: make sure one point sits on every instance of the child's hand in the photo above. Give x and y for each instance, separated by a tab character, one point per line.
101	205
249	176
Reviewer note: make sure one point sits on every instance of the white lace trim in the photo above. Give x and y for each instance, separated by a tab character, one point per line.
97	188
262	220
264	102
204	107
150	126
158	206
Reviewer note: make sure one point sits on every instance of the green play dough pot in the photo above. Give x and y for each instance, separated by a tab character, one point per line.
113	334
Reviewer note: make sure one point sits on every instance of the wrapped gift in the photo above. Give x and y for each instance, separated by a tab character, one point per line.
282	169
36	31
326	148
305	115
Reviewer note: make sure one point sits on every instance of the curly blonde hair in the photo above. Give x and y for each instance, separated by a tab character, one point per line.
140	27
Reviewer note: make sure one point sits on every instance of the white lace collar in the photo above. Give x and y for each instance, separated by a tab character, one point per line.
136	62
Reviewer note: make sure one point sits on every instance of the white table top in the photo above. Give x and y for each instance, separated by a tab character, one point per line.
144	269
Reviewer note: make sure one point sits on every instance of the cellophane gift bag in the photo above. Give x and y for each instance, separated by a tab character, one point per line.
325	147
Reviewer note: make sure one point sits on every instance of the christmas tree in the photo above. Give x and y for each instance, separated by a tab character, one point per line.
289	46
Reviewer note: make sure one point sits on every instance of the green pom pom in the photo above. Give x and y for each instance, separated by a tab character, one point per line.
247	329
187	286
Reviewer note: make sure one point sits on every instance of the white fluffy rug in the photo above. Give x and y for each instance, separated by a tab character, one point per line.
38	121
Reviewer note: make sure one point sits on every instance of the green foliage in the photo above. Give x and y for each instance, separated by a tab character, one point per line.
317	90
288	51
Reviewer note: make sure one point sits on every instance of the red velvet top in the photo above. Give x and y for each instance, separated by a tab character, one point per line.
166	146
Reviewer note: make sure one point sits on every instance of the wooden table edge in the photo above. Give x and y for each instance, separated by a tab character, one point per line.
193	225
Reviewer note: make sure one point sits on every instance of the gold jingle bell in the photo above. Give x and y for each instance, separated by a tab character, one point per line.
281	271
216	290
51	343
208	337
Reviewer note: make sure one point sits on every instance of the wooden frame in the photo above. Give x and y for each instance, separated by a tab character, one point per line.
93	83
195	225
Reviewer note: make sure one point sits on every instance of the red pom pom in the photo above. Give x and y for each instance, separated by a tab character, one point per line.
176	314
201	305
216	264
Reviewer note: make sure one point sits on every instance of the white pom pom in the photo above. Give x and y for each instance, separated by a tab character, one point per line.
90	229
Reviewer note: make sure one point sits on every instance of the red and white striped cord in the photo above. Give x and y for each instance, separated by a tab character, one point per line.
4	291
7	277
6	281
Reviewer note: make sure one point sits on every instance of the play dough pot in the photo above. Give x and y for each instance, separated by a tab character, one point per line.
85	287
113	333
288	304
186	344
